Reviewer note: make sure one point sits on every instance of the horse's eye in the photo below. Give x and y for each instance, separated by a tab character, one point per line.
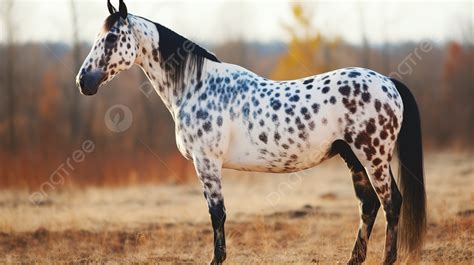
111	38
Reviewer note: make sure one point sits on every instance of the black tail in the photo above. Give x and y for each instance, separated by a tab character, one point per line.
411	181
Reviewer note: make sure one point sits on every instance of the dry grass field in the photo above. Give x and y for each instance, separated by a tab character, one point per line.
305	218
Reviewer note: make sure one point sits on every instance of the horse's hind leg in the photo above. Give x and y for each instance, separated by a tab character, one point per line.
369	203
368	208
387	191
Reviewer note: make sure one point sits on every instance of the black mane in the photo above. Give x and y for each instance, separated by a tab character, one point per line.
179	54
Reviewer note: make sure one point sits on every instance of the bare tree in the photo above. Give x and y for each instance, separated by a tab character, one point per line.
9	73
365	60
386	46
74	117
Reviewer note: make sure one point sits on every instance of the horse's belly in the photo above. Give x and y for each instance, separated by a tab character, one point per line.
249	157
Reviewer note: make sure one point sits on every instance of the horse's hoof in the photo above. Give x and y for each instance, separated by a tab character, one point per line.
215	262
219	260
355	261
390	261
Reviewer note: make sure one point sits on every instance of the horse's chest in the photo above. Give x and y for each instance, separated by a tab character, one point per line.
184	147
199	137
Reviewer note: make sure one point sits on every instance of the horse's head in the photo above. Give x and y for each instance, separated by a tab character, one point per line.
114	50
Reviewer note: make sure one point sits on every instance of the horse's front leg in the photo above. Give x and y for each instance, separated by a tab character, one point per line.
209	172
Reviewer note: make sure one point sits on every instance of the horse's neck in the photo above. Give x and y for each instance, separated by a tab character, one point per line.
148	59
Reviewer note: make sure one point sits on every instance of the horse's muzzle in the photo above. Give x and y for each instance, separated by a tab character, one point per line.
89	83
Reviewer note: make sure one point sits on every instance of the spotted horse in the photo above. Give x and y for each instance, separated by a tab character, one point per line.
228	117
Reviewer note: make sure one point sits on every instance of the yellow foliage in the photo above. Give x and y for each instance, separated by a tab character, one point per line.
306	50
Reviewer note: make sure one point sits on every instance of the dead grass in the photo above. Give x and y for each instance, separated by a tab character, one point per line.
306	218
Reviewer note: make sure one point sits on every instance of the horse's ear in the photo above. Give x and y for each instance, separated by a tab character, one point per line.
123	9
111	7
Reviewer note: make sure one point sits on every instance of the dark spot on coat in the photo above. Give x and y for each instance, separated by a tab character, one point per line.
202	114
315	108
370	128
378	174
219	121
376	141
207	126
276	136
345	90
263	137
377	161
353	74
366	97
348	137
294	98
378	105
350	104
276	105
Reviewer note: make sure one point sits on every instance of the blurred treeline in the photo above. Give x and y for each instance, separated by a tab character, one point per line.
44	119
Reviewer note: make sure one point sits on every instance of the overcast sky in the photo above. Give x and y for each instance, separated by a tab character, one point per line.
214	21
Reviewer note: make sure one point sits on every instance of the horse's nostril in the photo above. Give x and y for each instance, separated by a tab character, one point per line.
89	83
